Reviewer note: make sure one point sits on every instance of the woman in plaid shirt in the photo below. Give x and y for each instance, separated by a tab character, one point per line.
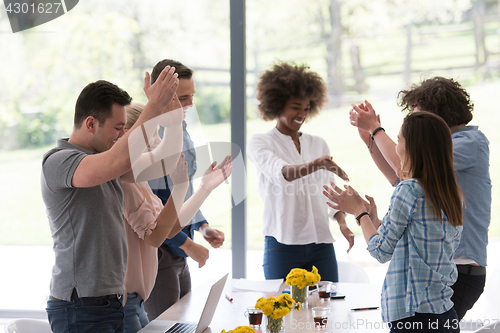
418	239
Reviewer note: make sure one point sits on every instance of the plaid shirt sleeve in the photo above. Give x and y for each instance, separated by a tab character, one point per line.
381	246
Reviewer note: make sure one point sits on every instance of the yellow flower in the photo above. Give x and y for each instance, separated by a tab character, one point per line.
315	271
301	277
285	310
298	306
241	329
267	309
277	313
275	306
285	297
288	300
260	303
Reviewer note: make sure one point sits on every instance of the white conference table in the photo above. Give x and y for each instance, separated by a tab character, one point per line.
229	315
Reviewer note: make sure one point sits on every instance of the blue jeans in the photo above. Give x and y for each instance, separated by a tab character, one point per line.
428	322
135	315
87	314
279	259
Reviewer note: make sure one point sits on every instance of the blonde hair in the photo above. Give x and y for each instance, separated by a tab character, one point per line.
134	110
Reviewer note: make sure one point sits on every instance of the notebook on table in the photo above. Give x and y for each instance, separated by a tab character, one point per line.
168	326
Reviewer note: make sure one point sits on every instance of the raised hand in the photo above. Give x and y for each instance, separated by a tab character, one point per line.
163	90
180	173
364	117
371	208
348	201
213	177
326	162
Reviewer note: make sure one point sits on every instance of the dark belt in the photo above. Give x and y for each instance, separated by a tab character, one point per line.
471	269
74	296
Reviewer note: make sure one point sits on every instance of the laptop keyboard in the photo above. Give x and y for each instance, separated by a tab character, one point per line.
182	328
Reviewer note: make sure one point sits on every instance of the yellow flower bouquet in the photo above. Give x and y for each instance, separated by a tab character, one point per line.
275	308
240	329
300	279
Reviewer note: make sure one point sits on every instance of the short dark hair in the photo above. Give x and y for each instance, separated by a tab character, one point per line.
97	99
441	96
182	70
289	80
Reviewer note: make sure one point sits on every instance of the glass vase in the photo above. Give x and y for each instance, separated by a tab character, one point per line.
274	325
299	295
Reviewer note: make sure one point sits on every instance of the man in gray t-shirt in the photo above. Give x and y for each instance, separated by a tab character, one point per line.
82	193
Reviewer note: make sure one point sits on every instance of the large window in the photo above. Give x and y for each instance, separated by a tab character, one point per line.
363	50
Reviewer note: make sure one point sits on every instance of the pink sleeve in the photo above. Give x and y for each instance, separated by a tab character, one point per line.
138	211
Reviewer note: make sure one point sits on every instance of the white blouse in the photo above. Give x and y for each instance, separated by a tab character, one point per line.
295	213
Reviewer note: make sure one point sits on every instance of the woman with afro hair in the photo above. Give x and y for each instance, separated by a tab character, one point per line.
292	167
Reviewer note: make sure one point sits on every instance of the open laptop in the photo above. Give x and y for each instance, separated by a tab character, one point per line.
168	326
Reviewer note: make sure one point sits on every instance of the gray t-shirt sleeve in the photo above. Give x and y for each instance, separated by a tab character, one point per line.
58	168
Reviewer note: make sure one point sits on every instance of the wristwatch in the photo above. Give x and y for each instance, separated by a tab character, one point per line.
358	218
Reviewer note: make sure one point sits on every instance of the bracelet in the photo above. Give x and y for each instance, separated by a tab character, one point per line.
372	139
358	218
376	131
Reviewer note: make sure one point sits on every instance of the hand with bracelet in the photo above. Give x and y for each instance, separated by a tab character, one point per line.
382	148
364	117
351	202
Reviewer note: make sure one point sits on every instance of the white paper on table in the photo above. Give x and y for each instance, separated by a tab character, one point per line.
263	286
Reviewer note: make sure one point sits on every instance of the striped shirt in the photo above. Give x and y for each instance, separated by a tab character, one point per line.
420	249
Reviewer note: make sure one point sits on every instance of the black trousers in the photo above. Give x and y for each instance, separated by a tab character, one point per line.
467	289
172	283
428	323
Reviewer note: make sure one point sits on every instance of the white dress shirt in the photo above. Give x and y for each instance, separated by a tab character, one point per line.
295	213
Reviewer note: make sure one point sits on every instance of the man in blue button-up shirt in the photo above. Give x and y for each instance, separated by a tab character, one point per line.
173	280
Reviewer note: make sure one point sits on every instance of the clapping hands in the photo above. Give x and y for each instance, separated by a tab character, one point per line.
326	162
348	201
214	176
164	88
180	173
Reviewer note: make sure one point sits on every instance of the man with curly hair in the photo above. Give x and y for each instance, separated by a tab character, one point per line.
449	100
292	167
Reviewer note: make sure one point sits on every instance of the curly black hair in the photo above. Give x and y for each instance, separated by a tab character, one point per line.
444	97
289	80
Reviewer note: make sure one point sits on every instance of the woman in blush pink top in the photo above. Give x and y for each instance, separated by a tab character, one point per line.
148	223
